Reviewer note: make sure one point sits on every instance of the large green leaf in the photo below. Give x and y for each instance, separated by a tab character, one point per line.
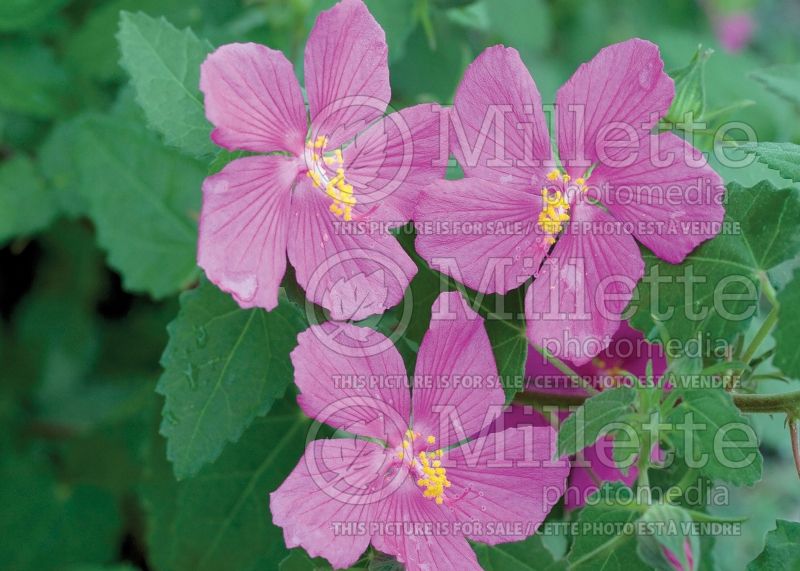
594	418
782	157
33	83
223	367
714	293
783	80
164	65
26	206
22	14
220	518
781	549
144	200
527	555
787	330
723	444
47	525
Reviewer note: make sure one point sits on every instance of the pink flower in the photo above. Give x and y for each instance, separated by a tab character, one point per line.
310	182
515	215
734	30
412	490
627	352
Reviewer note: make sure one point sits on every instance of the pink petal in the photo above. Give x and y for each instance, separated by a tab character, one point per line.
346	71
433	543
506	482
391	162
480	233
595	465
253	99
332	487
352	271
456	387
670	196
622	92
243	228
574	305
352	382
515	149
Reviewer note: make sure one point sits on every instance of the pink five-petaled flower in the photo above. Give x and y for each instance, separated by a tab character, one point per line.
431	476
312	181
573	227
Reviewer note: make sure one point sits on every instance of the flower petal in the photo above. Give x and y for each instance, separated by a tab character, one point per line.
669	194
253	99
514	149
243	228
595	463
616	97
392	161
480	233
346	71
505	482
325	498
574	305
352	271
421	534
456	387
351	379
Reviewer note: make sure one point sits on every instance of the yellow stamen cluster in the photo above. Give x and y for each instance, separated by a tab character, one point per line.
336	188
435	480
555	212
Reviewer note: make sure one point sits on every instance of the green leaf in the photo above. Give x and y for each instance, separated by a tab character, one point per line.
144	200
593	419
714	293
783	80
224	366
690	88
26	206
602	541
723	444
787	330
781	549
58	162
33	83
527	555
164	65
782	157
23	14
46	525
220	518
529	30
298	560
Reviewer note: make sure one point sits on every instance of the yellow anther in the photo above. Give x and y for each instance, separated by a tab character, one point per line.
431	439
554	175
554	213
566	178
580	181
321	142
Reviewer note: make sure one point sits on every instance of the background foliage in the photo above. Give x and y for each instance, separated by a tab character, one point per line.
132	423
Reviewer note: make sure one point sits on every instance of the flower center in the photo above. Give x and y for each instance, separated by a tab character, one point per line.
326	171
556	203
426	465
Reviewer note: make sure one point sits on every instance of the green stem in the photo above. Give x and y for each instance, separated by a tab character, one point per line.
761	334
566	369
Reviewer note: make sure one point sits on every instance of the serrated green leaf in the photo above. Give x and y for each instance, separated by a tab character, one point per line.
762	230
527	555
782	157
26	205
44	525
601	542
223	367
787	330
144	201
719	435
783	80
164	65
23	14
220	518
781	549
592	419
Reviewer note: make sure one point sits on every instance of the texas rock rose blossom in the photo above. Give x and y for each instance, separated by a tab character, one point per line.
569	222
311	179
431	476
627	353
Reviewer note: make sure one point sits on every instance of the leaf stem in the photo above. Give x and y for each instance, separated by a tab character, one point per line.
566	369
761	334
